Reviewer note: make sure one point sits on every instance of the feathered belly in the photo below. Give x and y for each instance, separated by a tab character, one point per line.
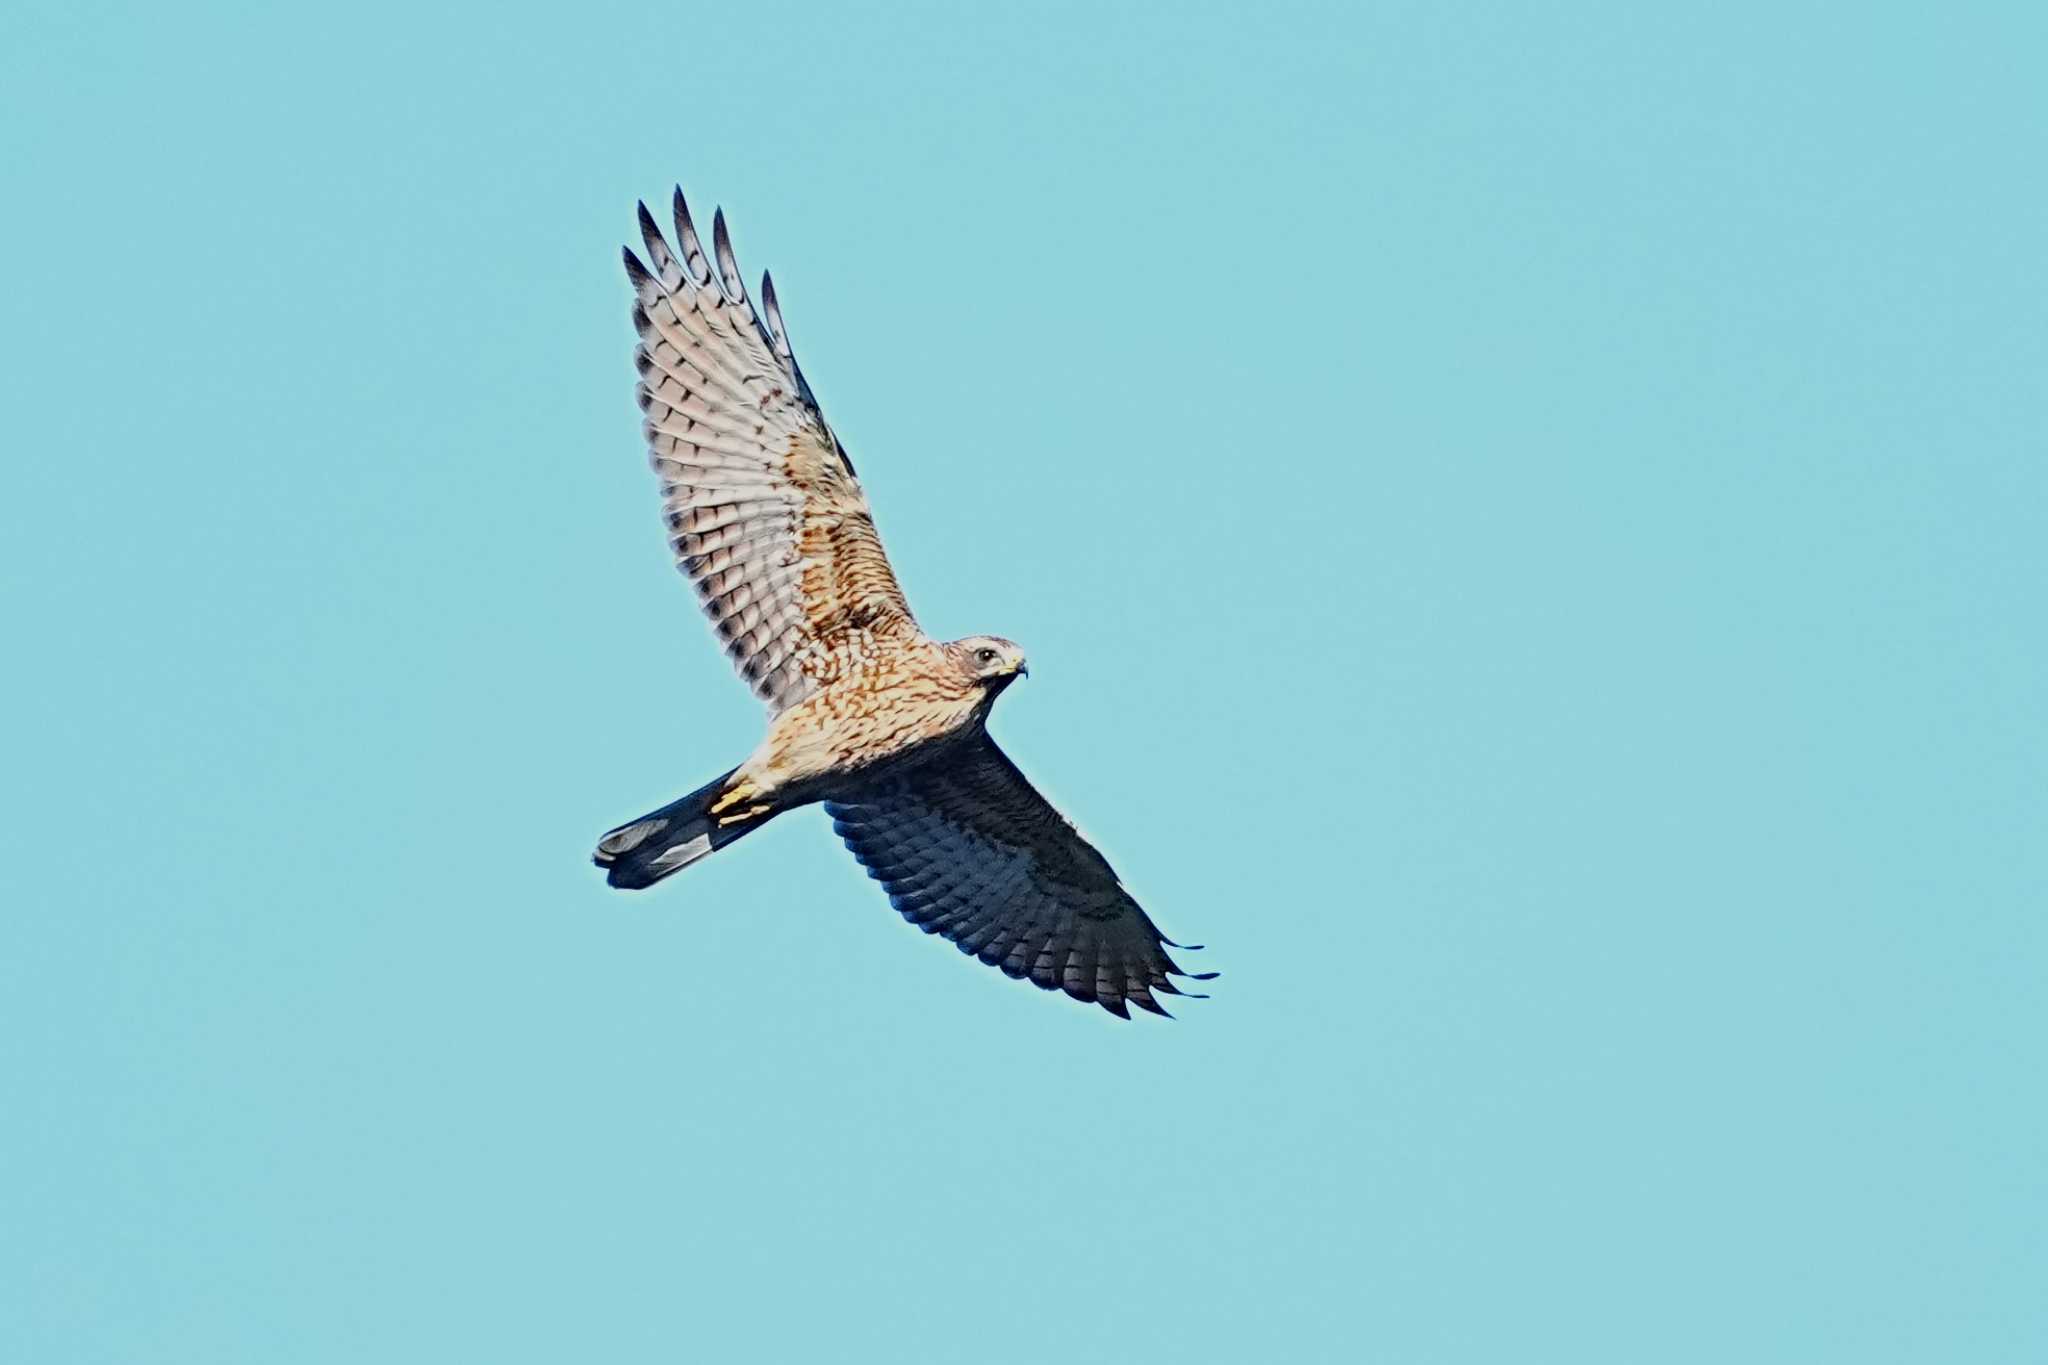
832	743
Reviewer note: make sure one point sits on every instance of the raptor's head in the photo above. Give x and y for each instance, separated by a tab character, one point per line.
990	659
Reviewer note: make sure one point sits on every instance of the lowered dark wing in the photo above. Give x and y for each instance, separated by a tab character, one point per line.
967	847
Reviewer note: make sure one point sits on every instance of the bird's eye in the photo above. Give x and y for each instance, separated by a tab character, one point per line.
987	656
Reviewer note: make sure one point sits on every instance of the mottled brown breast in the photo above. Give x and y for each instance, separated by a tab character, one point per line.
881	700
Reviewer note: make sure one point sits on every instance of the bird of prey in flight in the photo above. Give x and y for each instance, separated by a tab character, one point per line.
866	713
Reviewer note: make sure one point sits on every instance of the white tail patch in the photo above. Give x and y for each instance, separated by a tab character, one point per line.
688	851
629	837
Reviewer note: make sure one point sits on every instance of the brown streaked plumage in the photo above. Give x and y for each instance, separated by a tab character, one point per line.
867	714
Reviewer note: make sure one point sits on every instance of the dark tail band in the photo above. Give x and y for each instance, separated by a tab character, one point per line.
664	842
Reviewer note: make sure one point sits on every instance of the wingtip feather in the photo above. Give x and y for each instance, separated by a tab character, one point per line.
771	315
728	265
694	263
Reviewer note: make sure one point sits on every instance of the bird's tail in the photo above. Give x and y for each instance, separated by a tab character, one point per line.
664	841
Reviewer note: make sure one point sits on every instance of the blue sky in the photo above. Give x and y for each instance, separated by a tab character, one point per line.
1529	527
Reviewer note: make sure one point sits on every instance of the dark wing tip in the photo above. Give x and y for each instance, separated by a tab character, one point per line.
728	265
657	246
636	271
771	319
687	243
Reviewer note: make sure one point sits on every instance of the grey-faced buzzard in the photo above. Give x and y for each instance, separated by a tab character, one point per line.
884	725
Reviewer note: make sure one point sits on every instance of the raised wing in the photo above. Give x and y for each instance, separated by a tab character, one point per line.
966	847
764	512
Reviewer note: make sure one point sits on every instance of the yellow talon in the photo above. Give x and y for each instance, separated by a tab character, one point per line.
741	817
732	796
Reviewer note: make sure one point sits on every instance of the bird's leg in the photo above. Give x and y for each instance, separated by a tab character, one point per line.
741	792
